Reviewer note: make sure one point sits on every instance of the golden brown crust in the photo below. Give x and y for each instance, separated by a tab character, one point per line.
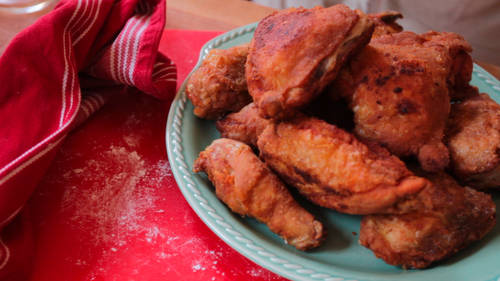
473	138
449	218
245	125
460	72
249	188
219	86
296	52
399	89
333	169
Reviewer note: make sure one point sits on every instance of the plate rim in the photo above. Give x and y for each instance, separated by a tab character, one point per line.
208	214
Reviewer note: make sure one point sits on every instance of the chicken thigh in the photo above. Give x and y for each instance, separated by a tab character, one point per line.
399	89
296	52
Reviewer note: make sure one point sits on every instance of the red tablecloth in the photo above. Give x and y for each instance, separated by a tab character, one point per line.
109	207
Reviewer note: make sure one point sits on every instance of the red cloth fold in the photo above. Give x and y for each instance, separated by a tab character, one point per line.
112	43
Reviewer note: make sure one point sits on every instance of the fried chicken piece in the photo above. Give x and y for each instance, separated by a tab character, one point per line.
219	85
473	138
245	125
449	218
385	23
399	89
333	169
249	188
296	52
461	67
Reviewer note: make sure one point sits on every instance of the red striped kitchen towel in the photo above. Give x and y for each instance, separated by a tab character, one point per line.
54	75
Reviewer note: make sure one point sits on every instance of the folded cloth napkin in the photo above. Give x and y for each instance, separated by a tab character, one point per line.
82	44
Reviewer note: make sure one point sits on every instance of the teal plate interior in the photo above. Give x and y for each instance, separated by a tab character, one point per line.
340	257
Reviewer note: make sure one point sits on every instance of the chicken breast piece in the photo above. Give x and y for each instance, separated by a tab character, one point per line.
219	85
296	52
473	139
249	188
333	169
447	218
245	125
399	90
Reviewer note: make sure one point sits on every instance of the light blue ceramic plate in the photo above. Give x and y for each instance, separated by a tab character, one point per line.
341	257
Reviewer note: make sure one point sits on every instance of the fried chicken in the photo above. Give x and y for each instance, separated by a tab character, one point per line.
449	218
473	138
245	125
249	188
219	86
461	65
296	52
385	23
399	89
330	167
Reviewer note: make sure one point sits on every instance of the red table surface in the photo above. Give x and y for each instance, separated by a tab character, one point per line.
109	207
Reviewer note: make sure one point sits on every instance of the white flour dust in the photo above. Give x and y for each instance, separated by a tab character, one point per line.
119	189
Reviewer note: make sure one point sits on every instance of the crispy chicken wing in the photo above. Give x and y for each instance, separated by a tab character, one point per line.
245	125
219	86
249	188
448	218
296	52
473	138
399	89
333	169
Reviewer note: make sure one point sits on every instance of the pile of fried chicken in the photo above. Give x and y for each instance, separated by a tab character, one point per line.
360	117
